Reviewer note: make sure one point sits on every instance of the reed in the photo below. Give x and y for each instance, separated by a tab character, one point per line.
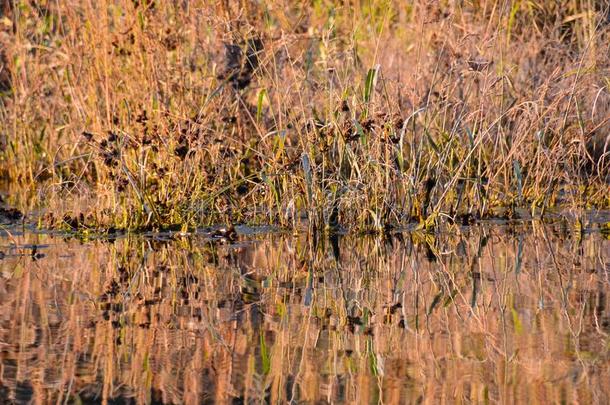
363	115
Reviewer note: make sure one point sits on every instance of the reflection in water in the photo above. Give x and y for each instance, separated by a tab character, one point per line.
513	313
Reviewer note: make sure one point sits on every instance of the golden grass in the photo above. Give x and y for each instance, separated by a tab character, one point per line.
364	114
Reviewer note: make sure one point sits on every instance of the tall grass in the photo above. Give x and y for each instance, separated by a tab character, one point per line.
367	115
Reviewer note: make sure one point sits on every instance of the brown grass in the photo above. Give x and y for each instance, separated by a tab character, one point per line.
144	114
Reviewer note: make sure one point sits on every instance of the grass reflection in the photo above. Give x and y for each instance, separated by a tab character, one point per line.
513	313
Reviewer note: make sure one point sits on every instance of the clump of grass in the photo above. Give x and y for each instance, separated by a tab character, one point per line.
147	115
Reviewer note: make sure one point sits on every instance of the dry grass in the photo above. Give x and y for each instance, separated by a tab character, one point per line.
149	114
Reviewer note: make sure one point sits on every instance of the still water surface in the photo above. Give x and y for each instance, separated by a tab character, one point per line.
502	313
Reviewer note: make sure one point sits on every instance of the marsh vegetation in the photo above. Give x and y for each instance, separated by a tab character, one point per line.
364	115
359	201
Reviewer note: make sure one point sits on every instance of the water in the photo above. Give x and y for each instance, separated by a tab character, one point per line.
503	313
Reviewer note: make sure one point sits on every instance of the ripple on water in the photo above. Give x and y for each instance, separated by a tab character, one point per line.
513	311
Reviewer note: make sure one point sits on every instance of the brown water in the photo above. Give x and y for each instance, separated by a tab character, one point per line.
502	313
